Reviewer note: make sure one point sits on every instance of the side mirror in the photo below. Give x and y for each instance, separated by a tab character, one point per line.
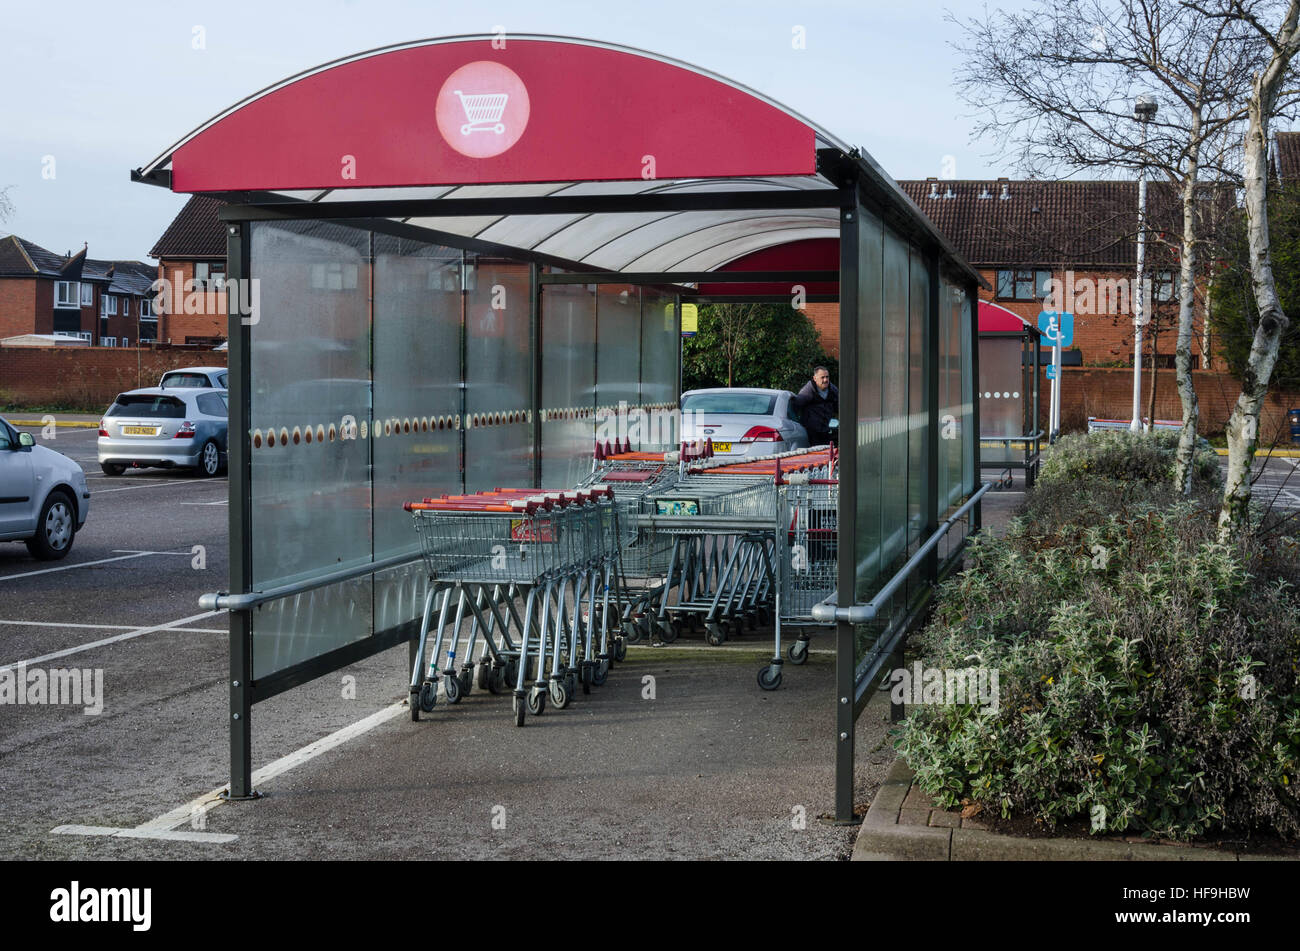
26	439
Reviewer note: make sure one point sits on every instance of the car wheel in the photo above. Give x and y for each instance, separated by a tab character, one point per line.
55	528
209	459
112	468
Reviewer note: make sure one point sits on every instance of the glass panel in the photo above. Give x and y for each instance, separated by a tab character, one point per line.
310	369
918	440
618	360
894	393
869	344
498	375
1002	400
660	375
417	388
568	362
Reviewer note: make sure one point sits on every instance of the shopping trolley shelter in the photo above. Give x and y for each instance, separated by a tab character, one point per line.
449	261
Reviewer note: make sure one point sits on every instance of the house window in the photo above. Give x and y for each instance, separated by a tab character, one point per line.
334	276
108	341
67	293
108	305
87	295
210	274
146	309
1162	285
126	341
1024	284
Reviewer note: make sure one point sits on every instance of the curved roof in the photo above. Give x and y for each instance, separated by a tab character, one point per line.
494	116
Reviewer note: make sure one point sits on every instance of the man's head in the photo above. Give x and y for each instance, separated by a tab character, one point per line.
821	378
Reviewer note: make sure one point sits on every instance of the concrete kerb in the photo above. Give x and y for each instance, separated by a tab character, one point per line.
886	836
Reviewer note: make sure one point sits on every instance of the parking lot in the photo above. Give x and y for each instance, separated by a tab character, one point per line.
704	764
693	762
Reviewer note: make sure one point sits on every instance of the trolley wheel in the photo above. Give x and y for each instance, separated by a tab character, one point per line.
669	631
428	696
600	673
451	684
632	631
620	650
415	706
715	635
571	682
484	675
536	701
559	694
520	712
769	677
798	652
466	681
751	619
587	673
496	680
512	671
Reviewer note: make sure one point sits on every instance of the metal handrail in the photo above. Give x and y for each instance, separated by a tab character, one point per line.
223	601
828	611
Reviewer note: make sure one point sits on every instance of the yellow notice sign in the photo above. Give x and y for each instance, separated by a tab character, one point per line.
690	319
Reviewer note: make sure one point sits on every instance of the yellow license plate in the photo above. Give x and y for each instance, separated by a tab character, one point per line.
139	430
722	447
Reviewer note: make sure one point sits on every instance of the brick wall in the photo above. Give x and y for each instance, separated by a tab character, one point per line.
88	376
1104	392
826	318
176	326
17	306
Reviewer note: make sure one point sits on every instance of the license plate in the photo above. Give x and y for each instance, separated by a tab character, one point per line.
722	447
139	430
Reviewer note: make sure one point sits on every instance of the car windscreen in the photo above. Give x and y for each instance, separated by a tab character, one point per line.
211	404
185	379
144	405
749	404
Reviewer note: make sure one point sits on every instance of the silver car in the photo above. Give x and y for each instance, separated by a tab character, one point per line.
173	428
217	377
43	495
743	421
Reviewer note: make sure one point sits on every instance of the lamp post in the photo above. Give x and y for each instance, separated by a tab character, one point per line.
1144	110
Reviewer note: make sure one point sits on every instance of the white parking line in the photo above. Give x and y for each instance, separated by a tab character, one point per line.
125	636
163	826
113	627
218	502
151	485
80	564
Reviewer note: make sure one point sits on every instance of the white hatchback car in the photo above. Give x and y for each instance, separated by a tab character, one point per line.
43	495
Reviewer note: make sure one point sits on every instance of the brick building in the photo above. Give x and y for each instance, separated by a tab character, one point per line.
192	258
108	303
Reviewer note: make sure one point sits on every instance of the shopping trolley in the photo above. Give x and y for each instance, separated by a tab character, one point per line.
483	111
807	562
720	565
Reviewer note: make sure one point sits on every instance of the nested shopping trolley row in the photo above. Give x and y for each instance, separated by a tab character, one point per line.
533	571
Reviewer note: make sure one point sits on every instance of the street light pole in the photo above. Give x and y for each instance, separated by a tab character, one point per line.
1144	110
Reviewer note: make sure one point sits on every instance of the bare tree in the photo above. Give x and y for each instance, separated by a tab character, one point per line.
6	205
1268	98
732	324
1057	84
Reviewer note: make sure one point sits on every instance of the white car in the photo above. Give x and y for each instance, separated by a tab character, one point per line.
43	495
743	421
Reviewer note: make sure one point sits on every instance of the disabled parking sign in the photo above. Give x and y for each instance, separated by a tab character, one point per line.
1056	324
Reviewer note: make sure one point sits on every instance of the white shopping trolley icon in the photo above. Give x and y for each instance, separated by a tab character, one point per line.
483	111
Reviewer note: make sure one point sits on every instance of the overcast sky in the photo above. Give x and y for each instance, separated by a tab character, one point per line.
104	87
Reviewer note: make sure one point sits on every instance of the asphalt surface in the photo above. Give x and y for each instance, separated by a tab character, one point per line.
711	767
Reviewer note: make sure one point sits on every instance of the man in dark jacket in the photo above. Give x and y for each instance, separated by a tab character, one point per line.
818	403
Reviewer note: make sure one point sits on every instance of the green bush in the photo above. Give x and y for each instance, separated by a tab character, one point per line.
1147	674
1127	457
